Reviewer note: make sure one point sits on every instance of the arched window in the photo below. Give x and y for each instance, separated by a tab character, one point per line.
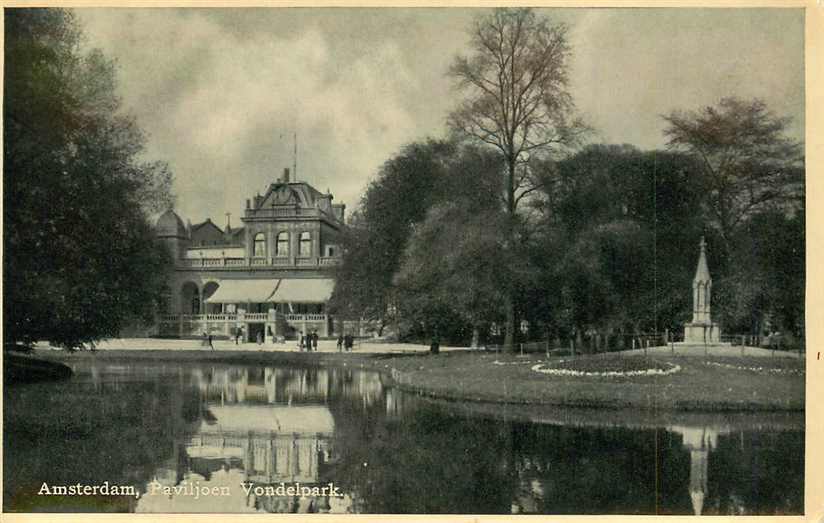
305	244
190	298
259	250
208	290
282	245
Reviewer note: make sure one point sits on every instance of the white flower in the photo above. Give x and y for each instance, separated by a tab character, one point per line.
568	372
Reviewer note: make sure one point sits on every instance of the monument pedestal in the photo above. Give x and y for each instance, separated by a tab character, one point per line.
700	333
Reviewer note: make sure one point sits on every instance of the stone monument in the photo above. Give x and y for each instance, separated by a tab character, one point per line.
701	329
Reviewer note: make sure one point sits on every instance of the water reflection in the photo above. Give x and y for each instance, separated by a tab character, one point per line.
268	427
698	441
702	469
176	431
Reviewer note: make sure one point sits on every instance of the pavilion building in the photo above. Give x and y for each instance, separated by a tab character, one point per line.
269	279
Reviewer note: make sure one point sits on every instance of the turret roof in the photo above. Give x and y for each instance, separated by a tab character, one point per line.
170	224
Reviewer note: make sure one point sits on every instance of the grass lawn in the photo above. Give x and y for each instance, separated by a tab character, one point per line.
702	383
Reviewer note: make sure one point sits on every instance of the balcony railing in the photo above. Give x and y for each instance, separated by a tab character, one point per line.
232	317
305	317
283	212
247	263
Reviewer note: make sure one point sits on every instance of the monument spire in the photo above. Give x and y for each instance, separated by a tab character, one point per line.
701	329
702	272
701	288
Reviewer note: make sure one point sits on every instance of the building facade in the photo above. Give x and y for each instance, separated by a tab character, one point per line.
268	280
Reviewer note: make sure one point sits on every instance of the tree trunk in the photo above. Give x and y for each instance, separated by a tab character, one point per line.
509	336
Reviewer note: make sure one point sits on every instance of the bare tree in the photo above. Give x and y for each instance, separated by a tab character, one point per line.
516	100
748	163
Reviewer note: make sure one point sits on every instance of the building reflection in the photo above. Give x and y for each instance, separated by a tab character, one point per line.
279	385
399	402
269	426
271	444
217	426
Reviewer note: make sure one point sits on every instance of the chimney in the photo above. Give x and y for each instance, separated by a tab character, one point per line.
286	175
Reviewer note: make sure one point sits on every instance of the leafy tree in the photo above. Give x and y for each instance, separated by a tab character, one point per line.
765	289
423	251
613	250
80	256
752	182
517	102
374	242
454	268
747	162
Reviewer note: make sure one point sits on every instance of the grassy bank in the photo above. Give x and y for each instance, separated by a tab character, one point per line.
714	383
711	383
24	368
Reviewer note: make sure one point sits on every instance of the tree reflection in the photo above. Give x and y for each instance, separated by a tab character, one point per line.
385	450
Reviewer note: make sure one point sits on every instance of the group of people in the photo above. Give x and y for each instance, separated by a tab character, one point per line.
346	342
308	342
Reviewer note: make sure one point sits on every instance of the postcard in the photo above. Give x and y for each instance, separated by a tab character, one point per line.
472	261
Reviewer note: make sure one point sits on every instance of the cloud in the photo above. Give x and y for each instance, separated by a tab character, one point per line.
220	92
222	104
632	65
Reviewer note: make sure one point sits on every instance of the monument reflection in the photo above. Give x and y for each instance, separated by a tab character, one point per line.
189	437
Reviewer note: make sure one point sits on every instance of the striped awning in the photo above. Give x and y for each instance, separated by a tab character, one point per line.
243	291
303	290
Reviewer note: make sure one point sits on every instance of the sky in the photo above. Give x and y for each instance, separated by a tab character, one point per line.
221	93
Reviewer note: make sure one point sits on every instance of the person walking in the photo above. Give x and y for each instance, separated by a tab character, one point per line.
238	335
348	342
340	342
315	340
301	342
210	342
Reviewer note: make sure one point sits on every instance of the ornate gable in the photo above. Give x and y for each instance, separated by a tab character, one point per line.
282	194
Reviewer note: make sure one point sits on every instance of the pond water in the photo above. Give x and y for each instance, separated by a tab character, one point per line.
221	438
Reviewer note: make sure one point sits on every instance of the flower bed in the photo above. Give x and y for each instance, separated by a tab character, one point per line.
760	369
524	362
612	367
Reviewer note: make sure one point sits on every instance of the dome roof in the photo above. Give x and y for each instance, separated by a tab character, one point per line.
170	224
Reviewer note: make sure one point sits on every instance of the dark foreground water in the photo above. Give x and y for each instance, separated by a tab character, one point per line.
220	438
